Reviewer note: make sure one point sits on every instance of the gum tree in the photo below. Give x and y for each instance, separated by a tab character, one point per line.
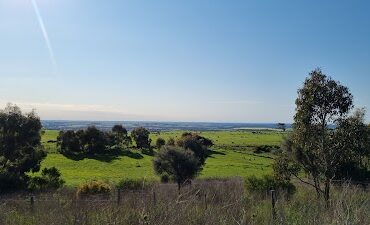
325	137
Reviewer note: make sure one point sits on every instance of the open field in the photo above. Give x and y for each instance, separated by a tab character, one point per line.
233	156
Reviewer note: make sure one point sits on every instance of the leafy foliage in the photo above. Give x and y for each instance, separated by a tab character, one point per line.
141	137
315	146
20	147
160	142
50	179
119	137
178	163
197	144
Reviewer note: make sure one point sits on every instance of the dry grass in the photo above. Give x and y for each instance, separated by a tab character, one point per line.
204	202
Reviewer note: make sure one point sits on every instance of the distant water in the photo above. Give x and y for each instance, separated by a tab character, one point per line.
154	126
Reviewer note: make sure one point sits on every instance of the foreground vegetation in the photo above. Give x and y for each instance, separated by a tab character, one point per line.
204	202
233	155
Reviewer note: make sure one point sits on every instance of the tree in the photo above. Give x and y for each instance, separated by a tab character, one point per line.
160	142
281	126
69	142
197	144
324	136
20	146
118	128
141	137
119	137
178	163
93	140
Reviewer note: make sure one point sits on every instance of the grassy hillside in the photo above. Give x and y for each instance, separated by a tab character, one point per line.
233	156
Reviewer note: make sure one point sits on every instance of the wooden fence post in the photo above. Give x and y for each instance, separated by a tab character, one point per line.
118	196
154	198
205	201
32	202
273	204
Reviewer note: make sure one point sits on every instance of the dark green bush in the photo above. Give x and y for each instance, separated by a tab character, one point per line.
49	179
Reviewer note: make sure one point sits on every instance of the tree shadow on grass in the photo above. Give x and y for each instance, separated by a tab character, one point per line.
213	152
109	156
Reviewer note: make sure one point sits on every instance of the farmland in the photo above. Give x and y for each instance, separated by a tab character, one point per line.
233	155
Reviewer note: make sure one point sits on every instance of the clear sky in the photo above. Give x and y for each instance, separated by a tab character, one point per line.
194	60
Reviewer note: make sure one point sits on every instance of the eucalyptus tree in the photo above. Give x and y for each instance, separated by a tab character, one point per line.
325	135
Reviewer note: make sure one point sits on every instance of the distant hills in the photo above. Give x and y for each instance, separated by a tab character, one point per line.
154	126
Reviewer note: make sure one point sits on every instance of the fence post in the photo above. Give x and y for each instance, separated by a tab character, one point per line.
118	196
32	202
205	201
154	198
273	204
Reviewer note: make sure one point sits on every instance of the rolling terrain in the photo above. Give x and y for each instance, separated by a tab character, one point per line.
233	155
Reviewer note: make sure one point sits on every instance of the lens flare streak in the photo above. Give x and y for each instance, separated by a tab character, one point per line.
45	34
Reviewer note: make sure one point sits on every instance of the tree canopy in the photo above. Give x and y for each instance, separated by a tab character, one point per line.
141	137
178	163
20	146
325	136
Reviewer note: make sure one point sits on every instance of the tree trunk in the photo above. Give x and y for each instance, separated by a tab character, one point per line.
178	187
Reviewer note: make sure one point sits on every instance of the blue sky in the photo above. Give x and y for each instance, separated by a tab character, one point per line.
229	61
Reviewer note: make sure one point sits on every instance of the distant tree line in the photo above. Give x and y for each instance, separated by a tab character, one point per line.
94	141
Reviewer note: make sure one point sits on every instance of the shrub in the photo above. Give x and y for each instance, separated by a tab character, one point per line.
94	188
160	142
50	179
178	163
171	142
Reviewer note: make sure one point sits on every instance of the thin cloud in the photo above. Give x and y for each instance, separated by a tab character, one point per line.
235	102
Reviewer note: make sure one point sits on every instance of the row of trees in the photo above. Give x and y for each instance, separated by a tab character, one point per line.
328	142
95	141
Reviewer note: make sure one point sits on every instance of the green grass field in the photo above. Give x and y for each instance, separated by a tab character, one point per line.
233	156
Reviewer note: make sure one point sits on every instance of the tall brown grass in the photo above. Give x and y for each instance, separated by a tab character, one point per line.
204	202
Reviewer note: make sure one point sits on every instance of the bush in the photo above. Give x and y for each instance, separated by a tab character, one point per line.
160	142
132	184
171	142
178	163
267	183
50	179
94	188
